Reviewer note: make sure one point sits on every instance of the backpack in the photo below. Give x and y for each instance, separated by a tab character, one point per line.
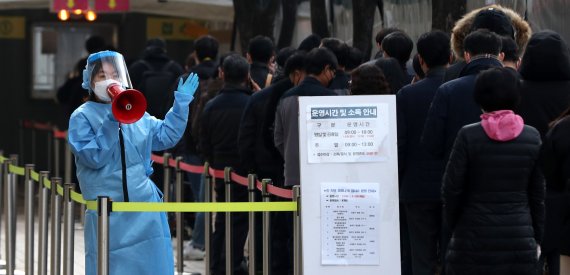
157	87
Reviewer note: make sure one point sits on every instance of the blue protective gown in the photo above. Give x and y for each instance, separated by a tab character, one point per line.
139	243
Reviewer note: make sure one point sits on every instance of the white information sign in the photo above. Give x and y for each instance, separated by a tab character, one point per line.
349	222
349	203
348	133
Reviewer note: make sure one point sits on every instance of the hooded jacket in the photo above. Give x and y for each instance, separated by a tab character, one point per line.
545	94
493	196
545	85
463	27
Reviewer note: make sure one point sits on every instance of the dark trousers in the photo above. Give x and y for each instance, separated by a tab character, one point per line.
281	242
424	228
405	253
239	231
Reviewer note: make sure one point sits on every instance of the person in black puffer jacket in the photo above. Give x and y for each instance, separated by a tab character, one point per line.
545	93
493	189
555	160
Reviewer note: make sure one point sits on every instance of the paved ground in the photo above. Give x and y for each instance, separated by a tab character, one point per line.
79	262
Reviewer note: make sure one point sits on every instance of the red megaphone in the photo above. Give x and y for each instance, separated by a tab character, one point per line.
128	105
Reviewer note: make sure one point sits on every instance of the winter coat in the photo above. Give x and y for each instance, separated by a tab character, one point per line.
452	108
463	27
259	73
545	94
220	125
545	85
555	160
205	70
493	195
555	157
287	125
340	81
420	172
139	243
157	59
257	154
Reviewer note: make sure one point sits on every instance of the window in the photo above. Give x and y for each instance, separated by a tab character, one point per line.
57	48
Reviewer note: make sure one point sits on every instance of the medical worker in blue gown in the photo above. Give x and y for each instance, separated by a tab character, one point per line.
139	242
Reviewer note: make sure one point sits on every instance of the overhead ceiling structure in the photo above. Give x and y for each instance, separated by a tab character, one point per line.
214	10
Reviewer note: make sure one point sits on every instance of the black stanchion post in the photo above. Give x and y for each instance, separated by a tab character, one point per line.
21	139
9	215
2	263
33	130
56	150
228	238
29	213
55	243
207	217
266	220
179	242
297	240
68	229
43	224
50	139
251	179
2	200
166	181
104	208
68	164
14	180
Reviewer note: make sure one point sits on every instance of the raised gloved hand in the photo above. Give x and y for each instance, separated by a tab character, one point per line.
189	86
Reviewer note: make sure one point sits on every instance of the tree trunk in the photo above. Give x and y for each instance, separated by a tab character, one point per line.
289	11
254	18
319	24
362	25
445	13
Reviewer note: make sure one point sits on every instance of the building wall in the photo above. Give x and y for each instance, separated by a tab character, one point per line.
16	103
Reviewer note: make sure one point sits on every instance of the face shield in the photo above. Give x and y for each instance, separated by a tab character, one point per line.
104	68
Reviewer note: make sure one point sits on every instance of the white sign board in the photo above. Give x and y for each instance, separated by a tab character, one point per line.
349	185
349	222
356	133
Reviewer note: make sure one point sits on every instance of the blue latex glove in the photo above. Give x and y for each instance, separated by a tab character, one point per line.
189	86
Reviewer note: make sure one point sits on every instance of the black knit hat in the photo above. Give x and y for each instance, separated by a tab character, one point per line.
546	58
495	21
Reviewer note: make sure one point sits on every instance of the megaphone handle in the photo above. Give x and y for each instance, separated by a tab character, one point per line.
123	164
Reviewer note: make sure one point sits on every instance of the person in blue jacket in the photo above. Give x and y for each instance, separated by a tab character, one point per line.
139	243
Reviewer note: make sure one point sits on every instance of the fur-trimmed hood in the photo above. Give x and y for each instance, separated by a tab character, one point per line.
463	27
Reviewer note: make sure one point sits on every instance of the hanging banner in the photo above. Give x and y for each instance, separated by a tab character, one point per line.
12	27
57	5
111	5
174	28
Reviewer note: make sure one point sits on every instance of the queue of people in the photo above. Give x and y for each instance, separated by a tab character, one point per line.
482	152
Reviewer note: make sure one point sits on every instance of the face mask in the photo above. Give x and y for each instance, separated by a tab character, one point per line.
100	89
